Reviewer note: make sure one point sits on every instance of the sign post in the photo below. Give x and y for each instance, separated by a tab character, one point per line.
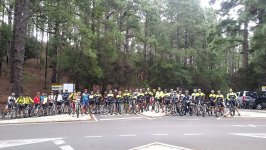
57	87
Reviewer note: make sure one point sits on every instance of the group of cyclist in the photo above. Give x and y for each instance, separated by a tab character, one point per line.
129	101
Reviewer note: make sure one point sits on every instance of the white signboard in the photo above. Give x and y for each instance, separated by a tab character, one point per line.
69	86
263	88
57	87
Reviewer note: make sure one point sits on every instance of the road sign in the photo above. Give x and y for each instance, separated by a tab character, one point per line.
57	87
69	86
263	88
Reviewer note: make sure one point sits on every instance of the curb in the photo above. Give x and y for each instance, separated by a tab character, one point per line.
51	121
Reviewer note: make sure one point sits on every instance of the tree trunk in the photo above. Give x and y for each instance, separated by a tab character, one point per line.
245	45
10	24
145	46
54	63
18	43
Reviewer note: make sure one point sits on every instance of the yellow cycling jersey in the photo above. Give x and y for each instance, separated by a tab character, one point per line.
28	100
140	94
118	96
159	95
72	96
212	97
110	95
149	93
219	96
166	94
91	97
200	94
126	95
232	96
97	95
20	100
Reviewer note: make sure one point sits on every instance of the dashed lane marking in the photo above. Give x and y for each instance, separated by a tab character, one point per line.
94	136
129	118
193	134
127	135
160	134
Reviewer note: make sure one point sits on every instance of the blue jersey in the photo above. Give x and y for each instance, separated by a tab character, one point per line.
85	96
65	96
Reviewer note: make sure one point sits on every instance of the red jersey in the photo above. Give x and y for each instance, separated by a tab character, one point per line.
37	100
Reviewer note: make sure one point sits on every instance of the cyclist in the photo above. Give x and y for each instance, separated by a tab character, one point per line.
28	102
166	99
231	98
85	101
193	99
134	99
59	102
21	103
140	99
148	96
212	98
65	97
91	100
110	98
158	97
51	100
77	101
37	100
10	102
41	98
127	101
219	100
97	98
44	101
180	96
200	97
187	102
72	99
120	102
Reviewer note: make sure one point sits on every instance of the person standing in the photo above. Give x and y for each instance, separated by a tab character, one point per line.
232	99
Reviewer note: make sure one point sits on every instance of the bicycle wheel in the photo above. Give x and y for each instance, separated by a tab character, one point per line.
156	109
232	111
203	108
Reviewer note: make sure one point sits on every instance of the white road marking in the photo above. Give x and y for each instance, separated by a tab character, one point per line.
94	117
193	134
11	143
159	146
59	142
239	125
145	117
94	136
188	119
251	125
120	118
256	135
219	118
126	135
66	147
160	134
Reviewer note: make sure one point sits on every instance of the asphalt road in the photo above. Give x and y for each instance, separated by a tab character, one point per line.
131	131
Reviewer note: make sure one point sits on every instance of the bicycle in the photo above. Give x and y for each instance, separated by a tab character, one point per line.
78	108
232	107
219	109
188	108
50	109
96	107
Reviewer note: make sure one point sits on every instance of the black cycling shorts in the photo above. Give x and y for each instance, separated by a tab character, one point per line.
233	102
212	104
